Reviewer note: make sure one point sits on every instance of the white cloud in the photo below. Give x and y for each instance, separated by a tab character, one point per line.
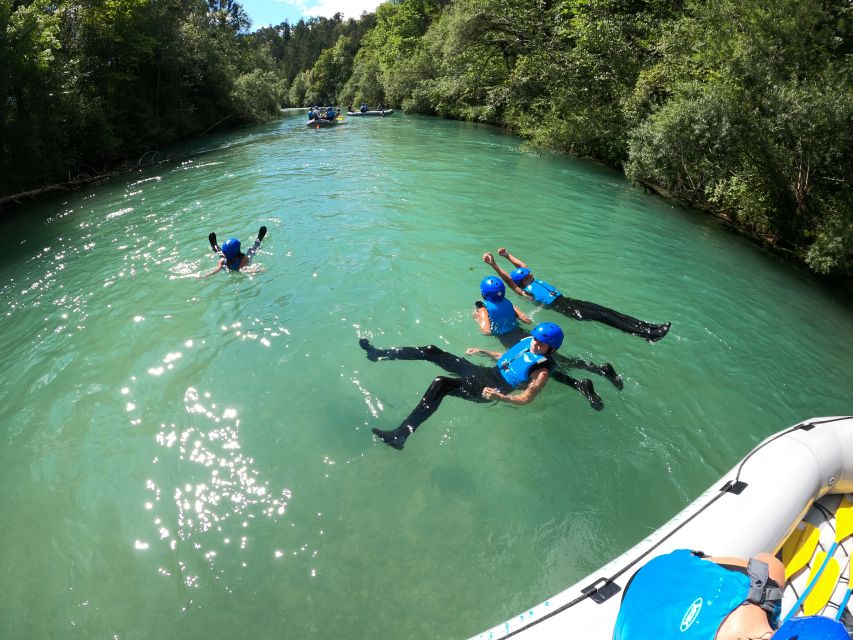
328	8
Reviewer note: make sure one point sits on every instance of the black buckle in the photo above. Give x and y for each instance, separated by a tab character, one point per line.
602	593
734	487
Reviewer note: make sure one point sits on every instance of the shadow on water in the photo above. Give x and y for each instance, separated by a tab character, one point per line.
839	288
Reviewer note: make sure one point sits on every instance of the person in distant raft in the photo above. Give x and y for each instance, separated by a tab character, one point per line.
497	316
685	595
526	367
522	282
232	258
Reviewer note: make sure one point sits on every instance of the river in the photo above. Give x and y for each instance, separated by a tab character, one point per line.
193	458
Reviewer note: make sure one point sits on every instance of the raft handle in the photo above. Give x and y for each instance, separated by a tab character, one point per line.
602	593
735	487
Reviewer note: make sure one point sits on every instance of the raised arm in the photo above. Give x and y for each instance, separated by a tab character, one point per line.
515	261
537	383
489	259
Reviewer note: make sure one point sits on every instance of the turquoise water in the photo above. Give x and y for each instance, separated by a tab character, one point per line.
193	458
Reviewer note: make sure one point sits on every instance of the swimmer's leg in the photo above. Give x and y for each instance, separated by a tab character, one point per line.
609	372
373	354
584	386
429	353
581	310
440	387
213	244
261	233
605	369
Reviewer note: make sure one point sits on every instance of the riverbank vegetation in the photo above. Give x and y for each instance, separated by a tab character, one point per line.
89	83
740	107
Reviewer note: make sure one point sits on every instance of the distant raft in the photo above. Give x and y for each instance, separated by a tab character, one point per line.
749	510
386	112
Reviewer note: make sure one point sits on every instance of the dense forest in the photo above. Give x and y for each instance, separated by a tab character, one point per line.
740	107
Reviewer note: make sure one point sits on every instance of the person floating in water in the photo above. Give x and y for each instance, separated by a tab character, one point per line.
497	316
526	366
521	281
232	258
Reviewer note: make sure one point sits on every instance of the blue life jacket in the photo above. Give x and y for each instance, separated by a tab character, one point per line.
681	596
516	364
542	292
234	263
501	316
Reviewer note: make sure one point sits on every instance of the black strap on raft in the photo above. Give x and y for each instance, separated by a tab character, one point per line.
609	587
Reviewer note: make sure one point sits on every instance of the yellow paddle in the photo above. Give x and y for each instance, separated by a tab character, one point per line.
825	584
799	548
843	528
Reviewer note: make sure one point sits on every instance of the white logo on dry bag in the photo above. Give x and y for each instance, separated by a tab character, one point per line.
691	615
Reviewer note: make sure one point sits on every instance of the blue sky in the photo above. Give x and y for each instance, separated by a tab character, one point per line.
273	12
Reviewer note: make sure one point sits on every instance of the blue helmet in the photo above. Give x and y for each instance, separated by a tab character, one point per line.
231	248
493	289
519	274
549	333
811	628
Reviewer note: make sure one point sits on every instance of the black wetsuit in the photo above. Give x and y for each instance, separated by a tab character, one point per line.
546	294
473	378
581	310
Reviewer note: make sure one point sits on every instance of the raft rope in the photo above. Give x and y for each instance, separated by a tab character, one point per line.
601	593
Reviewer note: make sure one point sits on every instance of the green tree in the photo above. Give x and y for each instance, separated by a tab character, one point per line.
395	40
365	83
296	96
257	96
756	123
31	97
331	72
227	14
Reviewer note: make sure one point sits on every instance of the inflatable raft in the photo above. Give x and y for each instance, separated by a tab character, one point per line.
787	496
322	122
381	114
